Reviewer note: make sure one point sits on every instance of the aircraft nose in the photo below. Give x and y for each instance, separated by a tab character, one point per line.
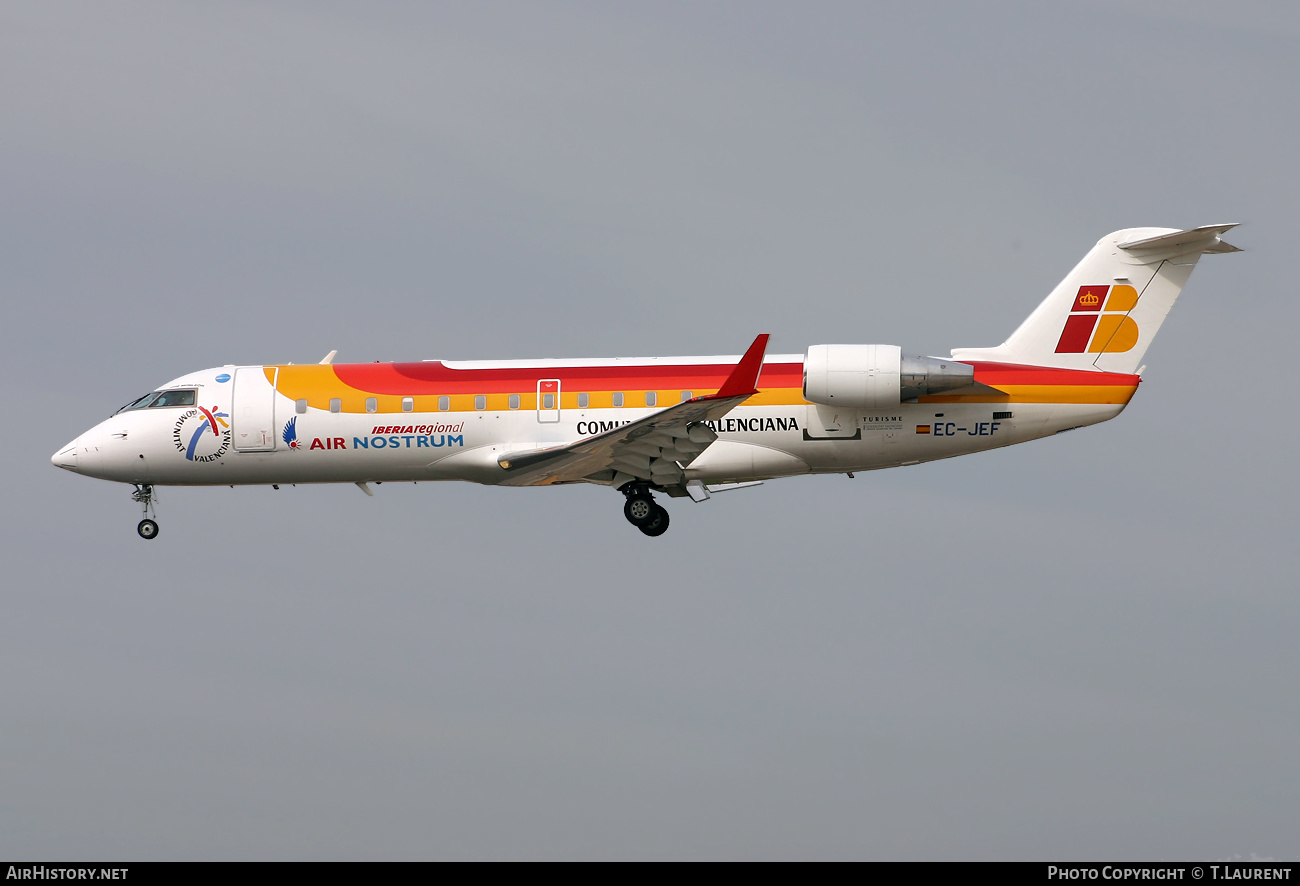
66	457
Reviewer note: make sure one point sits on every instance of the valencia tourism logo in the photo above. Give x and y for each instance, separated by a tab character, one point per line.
202	434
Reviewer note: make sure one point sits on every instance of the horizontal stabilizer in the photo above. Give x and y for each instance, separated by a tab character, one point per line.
1209	235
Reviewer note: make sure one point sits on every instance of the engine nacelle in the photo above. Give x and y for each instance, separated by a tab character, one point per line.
876	376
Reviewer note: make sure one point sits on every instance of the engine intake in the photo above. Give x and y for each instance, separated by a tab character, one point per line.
877	376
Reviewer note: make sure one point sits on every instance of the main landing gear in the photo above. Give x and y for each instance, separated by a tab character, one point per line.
642	511
148	528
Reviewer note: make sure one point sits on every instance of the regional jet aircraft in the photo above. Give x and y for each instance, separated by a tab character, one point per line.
682	426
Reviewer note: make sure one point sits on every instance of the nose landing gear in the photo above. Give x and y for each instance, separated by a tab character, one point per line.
643	512
148	528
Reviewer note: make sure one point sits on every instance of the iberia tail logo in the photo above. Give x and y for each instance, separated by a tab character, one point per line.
1099	321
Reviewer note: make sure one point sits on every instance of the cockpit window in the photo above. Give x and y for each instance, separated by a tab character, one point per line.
138	402
174	398
162	398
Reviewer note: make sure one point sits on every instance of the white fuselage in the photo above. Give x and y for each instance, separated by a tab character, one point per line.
177	445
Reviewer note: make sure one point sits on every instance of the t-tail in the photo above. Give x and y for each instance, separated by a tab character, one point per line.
1107	310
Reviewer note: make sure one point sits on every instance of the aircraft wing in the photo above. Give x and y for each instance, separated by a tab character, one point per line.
655	448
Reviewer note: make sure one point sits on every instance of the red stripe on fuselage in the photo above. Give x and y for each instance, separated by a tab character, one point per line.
433	377
993	374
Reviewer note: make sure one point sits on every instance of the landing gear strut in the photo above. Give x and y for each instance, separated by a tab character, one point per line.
148	528
642	512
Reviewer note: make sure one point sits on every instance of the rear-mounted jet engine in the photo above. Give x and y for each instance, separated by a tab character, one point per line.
877	376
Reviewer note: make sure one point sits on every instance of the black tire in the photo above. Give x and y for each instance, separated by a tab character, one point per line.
148	529
657	526
640	510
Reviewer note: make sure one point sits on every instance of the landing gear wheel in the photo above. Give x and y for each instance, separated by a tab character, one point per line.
640	510
656	525
144	494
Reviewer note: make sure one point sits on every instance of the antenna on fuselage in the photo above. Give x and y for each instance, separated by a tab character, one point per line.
328	358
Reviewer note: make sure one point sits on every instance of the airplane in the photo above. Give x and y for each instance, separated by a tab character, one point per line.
681	426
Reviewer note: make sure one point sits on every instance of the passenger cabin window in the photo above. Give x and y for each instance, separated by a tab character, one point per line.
548	401
480	401
651	398
300	407
583	400
618	398
686	395
514	401
444	403
408	404
336	405
372	404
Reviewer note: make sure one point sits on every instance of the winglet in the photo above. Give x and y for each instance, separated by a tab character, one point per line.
743	380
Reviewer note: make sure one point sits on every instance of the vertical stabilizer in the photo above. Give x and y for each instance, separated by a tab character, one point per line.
1107	310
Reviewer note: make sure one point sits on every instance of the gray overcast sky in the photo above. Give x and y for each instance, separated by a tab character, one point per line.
1080	648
